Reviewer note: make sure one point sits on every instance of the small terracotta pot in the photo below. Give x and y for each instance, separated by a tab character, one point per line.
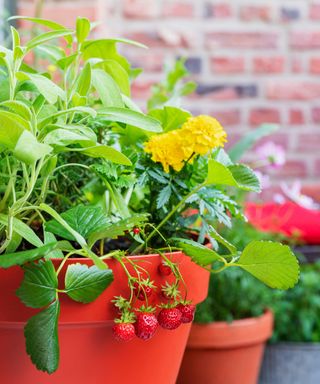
89	352
226	353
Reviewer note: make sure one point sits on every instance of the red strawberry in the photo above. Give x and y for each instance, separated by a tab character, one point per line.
187	311
146	325
143	290
123	331
169	318
136	231
164	269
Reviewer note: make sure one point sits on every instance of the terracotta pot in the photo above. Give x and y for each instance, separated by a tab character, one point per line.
88	351
223	353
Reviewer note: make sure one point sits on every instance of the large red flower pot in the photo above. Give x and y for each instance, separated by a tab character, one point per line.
226	353
88	351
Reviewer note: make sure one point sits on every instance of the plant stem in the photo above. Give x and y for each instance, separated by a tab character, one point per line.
170	214
70	165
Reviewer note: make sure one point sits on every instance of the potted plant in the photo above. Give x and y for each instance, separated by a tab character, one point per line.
293	352
110	258
231	327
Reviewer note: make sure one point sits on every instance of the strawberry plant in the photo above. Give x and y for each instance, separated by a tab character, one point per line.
155	182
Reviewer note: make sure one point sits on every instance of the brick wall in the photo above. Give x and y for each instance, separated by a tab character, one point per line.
255	61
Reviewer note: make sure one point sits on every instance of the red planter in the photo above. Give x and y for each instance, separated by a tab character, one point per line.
88	351
223	353
288	218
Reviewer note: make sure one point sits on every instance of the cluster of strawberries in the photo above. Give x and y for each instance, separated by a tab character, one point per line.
145	323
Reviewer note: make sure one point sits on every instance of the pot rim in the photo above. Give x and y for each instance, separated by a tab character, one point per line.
86	259
239	333
239	322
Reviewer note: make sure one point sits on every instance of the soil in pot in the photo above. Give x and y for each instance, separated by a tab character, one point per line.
223	353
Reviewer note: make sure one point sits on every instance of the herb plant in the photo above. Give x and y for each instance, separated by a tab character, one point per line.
249	298
297	311
150	183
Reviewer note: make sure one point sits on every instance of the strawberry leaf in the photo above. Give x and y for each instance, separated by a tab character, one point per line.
85	284
39	285
41	334
272	263
200	254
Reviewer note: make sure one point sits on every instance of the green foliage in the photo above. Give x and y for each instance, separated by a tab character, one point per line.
84	220
19	258
272	263
170	117
85	284
233	296
297	311
237	175
169	92
200	254
41	333
39	285
117	229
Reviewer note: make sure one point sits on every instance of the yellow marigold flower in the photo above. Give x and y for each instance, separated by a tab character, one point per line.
203	133
167	149
196	137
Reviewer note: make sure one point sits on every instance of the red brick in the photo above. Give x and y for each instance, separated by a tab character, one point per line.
314	65
314	12
218	11
293	90
227	64
140	9
305	40
292	169
309	142
264	115
163	38
61	13
296	117
315	115
256	12
242	40
268	64
178	9
228	117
